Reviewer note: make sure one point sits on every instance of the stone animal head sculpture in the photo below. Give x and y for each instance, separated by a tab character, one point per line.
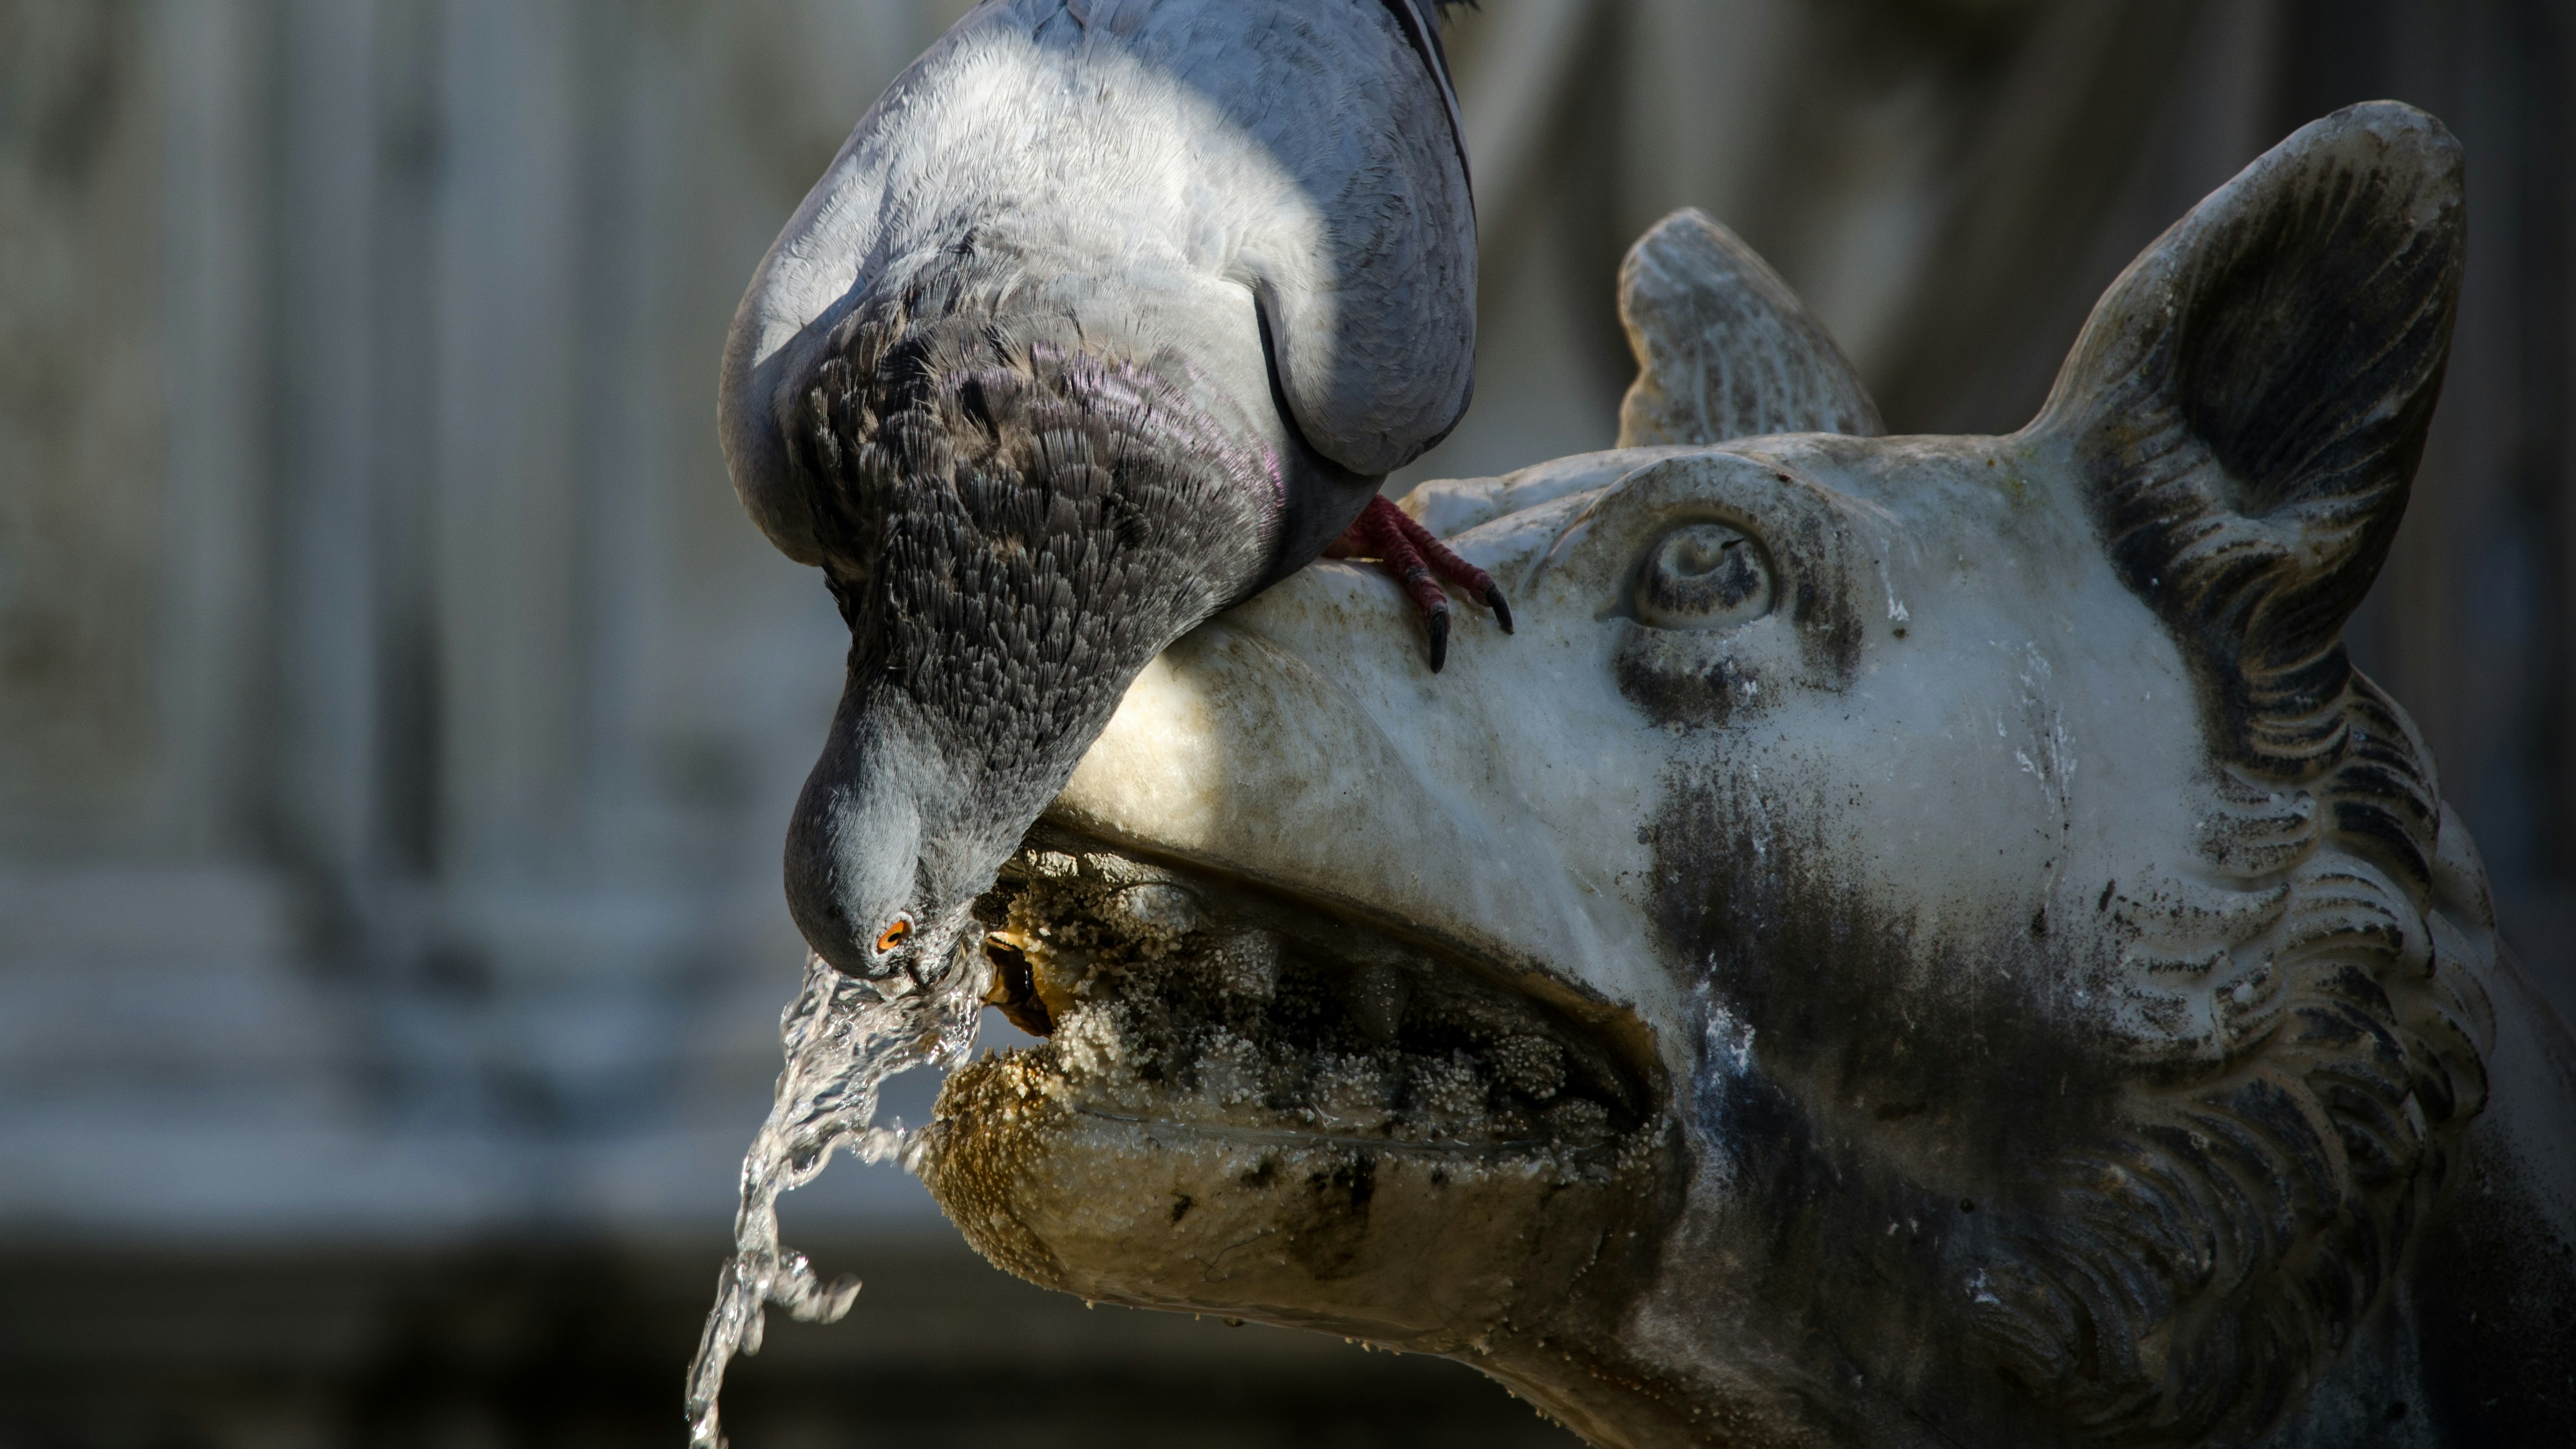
1918	941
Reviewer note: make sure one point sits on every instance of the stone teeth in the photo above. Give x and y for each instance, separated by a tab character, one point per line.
1162	994
1156	906
1580	1121
1247	965
1530	1065
1229	1070
1447	1095
1376	996
1350	1094
1117	870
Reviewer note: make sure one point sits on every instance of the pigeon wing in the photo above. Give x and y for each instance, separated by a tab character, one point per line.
1370	308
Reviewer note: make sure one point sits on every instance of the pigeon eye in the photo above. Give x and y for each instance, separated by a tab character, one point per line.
1703	576
893	934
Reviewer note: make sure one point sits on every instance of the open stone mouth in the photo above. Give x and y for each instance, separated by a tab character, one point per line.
1173	997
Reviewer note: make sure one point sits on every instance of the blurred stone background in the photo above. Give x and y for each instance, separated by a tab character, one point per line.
398	719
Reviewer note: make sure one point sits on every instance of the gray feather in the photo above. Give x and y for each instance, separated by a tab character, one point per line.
1254	165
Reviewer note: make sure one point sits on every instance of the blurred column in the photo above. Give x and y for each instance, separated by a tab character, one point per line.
331	527
211	665
86	284
509	555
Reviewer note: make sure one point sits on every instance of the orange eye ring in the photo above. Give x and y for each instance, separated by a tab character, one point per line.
893	935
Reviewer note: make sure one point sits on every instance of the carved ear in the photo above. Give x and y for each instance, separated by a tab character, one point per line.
2248	402
1724	349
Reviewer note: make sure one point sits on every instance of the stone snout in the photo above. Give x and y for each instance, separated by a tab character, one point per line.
1688	809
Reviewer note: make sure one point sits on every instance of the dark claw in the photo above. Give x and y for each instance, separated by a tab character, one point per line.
1439	639
1502	610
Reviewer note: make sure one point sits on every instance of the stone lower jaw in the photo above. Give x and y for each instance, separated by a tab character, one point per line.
1425	1248
1394	1224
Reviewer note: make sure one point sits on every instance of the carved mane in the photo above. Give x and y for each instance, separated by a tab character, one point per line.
2247	407
2198	1266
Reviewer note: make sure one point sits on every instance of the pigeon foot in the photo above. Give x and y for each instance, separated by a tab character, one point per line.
1419	561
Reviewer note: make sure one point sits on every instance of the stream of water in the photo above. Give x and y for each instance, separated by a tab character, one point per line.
843	1037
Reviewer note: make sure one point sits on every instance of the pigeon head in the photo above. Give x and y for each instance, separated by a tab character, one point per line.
1013	521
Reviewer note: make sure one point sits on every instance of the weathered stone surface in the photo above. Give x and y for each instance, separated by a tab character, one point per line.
1724	348
2030	989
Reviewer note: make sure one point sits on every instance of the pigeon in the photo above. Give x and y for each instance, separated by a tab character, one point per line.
1109	315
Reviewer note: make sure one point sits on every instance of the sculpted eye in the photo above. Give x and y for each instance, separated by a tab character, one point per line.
893	934
1703	575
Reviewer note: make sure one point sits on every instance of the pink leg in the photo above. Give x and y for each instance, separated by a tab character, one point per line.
1407	550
